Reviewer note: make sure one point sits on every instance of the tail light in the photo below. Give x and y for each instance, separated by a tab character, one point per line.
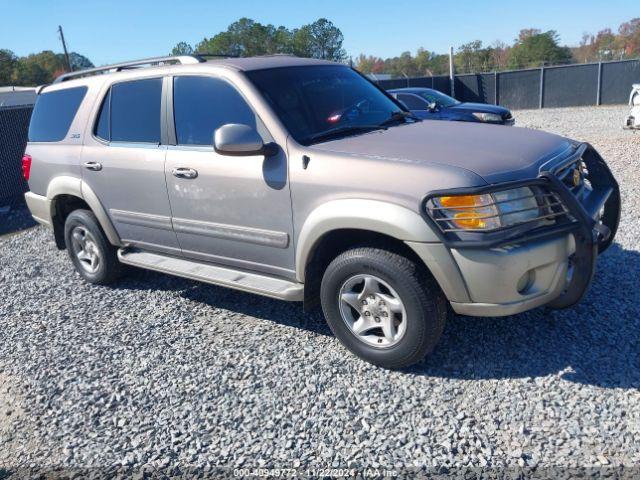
26	166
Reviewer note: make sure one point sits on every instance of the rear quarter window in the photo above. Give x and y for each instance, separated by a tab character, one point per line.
53	114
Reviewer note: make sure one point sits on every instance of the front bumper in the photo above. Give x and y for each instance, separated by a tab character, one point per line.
551	266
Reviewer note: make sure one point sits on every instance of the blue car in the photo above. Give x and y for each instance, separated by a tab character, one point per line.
431	104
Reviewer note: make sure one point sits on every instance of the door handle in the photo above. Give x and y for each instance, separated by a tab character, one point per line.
95	166
184	172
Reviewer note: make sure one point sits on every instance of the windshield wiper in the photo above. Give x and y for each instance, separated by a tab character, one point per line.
397	116
345	130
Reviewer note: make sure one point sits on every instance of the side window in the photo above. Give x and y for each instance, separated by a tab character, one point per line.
203	104
412	103
103	129
53	114
135	111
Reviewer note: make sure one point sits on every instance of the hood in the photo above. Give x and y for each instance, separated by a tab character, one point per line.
479	107
494	152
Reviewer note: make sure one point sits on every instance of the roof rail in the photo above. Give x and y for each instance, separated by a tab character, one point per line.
117	67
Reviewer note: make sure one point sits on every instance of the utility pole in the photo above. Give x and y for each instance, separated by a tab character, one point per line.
452	77
64	47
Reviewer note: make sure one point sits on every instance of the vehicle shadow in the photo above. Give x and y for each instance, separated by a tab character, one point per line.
596	342
15	216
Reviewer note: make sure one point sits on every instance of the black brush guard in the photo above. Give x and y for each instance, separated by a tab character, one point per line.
593	233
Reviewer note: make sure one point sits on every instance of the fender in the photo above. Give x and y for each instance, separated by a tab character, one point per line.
67	185
373	215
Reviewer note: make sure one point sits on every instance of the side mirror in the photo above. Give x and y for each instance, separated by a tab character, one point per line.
241	140
432	107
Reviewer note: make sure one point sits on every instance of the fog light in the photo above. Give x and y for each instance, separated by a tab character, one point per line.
526	282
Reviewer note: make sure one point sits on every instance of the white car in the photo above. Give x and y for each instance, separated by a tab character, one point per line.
633	119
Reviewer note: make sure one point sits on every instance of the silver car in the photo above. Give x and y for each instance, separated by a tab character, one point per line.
301	180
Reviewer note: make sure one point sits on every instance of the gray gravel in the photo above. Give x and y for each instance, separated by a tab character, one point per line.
172	374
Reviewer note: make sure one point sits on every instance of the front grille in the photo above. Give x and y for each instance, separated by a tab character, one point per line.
576	177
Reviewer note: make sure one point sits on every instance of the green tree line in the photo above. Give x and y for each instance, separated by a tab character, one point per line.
37	68
322	39
533	48
246	38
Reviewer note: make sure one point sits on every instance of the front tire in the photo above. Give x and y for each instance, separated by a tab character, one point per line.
382	306
94	258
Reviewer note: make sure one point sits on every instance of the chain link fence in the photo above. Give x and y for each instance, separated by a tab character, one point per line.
14	126
604	83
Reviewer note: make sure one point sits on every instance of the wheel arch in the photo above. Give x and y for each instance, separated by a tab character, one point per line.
374	216
337	226
68	193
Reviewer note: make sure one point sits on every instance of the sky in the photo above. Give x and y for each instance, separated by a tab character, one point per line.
114	31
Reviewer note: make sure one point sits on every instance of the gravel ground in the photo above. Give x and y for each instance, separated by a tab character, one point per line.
171	375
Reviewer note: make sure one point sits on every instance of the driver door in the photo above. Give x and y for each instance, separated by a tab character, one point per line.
230	210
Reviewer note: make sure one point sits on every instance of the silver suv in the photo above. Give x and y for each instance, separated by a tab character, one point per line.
301	180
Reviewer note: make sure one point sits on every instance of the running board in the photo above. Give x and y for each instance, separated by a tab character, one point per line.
226	277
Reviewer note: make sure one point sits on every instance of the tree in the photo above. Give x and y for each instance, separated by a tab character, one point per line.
606	45
182	48
7	64
325	40
246	38
38	68
629	33
79	62
533	49
499	55
369	64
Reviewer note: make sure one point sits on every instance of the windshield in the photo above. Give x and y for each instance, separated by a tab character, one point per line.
311	101
439	98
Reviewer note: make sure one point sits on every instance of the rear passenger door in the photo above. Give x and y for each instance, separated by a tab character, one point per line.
233	210
124	164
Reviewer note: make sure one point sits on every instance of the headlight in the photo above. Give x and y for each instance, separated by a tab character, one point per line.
487	117
487	211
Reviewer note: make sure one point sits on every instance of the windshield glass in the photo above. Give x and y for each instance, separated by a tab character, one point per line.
439	98
313	100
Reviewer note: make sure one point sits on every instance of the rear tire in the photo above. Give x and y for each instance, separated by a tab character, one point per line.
94	258
383	307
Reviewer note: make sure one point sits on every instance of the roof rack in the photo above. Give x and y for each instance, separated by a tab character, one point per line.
117	67
204	55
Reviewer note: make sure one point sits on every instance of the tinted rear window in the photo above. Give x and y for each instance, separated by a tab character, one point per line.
135	111
53	114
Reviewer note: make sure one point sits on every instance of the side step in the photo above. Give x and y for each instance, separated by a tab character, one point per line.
226	277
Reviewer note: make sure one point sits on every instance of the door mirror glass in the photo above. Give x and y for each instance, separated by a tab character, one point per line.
432	107
240	140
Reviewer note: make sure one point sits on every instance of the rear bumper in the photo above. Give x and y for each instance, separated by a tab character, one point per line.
40	208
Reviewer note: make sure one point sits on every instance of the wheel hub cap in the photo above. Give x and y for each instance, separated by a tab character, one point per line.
372	310
85	249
